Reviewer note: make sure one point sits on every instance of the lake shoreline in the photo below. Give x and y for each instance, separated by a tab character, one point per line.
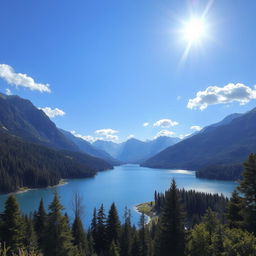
22	190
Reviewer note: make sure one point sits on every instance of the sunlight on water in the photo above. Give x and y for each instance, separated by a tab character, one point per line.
182	172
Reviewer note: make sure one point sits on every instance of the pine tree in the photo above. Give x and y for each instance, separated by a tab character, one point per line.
248	189
59	237
234	211
211	223
30	236
113	226
13	226
135	249
170	240
126	234
143	236
40	218
100	239
80	239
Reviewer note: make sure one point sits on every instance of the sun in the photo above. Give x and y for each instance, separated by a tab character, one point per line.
194	30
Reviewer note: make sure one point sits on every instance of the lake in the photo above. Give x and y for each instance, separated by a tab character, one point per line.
126	185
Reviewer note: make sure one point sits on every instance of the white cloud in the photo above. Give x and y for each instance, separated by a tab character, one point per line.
165	123
196	127
89	138
130	136
53	112
8	91
86	137
164	133
222	95
19	79
105	132
145	124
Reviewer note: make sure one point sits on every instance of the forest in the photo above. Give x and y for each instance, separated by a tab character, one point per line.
25	164
220	227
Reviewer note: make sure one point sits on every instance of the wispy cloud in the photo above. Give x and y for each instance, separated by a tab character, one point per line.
11	77
145	124
105	132
222	95
88	138
8	91
53	112
165	123
164	133
196	127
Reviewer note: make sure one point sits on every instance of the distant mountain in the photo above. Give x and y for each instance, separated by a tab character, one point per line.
88	148
21	118
223	145
26	164
135	151
110	147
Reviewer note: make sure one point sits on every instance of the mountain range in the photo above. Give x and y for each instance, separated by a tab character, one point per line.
134	150
217	151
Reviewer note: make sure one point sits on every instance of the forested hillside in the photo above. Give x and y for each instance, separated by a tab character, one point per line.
216	152
24	164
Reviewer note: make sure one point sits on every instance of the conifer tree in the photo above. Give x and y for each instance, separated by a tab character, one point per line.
59	237
30	241
126	234
248	189
40	218
135	248
170	240
79	234
80	239
211	223
234	211
143	236
13	225
113	226
100	239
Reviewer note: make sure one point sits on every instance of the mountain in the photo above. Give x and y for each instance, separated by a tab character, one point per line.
33	152
21	118
88	148
26	164
133	150
110	147
218	147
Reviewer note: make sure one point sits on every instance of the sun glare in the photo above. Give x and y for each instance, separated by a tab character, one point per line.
194	30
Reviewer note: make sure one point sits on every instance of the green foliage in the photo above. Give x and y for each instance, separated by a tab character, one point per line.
59	236
13	225
248	189
24	164
171	225
113	226
235	211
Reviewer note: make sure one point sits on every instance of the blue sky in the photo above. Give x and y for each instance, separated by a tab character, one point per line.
117	64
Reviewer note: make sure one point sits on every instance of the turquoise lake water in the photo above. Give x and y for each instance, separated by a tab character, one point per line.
126	185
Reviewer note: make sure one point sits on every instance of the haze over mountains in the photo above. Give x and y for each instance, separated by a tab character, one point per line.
134	150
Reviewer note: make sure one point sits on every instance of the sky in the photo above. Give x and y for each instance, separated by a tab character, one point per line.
116	69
